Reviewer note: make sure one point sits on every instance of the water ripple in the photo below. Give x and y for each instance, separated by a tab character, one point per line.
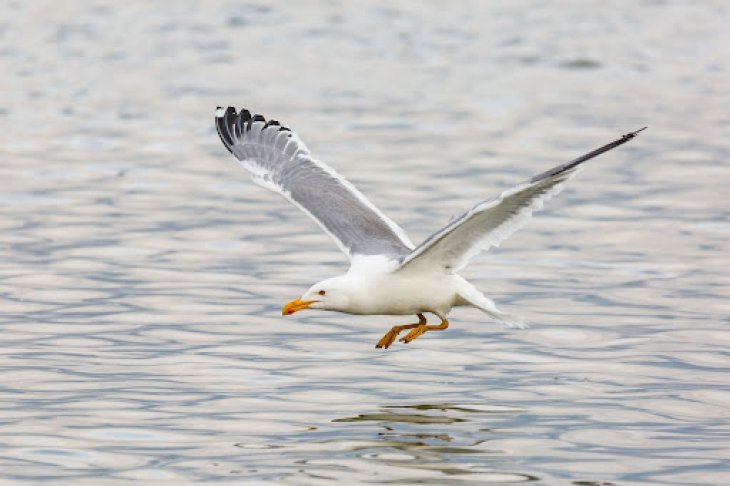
142	274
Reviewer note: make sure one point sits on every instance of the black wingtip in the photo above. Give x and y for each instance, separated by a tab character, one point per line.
231	125
575	163
634	133
222	123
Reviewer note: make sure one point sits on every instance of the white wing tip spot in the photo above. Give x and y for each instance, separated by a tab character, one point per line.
219	112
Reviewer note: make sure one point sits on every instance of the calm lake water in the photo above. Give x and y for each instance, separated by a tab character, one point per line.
142	273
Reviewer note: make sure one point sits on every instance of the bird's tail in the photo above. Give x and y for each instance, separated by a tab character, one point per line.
470	295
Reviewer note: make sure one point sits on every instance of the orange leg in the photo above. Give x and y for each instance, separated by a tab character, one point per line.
423	328
390	336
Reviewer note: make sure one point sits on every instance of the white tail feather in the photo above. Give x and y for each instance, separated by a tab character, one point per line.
474	297
509	320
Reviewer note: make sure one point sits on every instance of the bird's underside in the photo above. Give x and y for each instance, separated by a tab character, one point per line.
279	161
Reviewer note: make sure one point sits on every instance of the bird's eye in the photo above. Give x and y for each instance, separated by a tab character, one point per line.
321	292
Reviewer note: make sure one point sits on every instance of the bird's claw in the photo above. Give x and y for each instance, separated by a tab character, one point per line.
386	340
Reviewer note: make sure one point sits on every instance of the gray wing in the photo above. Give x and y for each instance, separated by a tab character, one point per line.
490	222
279	161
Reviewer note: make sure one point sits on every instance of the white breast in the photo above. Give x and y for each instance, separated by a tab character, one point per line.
380	291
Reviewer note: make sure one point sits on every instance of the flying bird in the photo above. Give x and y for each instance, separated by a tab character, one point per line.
388	274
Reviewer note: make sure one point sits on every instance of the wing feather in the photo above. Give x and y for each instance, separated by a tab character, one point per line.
279	161
489	223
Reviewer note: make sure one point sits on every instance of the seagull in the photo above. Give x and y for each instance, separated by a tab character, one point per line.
388	274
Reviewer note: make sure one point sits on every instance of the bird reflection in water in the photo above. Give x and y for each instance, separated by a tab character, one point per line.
435	437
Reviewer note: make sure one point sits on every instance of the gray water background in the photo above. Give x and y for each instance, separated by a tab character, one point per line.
142	273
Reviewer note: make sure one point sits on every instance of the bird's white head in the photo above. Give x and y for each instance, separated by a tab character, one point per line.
330	294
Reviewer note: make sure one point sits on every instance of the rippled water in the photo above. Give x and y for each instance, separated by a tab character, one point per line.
142	273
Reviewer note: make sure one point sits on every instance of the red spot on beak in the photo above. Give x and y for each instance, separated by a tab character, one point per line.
295	306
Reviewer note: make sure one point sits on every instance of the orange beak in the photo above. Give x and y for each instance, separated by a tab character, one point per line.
295	306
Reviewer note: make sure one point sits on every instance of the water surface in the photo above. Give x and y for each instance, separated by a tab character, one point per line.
142	273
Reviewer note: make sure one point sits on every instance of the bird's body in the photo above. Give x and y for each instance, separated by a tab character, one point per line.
377	286
388	275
